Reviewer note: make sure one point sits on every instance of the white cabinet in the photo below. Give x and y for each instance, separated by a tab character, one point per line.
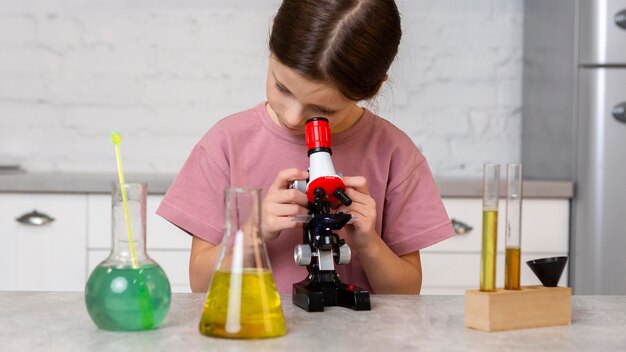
166	244
453	266
43	257
60	255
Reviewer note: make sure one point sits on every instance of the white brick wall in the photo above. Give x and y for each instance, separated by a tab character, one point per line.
162	72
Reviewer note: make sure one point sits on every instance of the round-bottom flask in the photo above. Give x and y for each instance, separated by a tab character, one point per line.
128	292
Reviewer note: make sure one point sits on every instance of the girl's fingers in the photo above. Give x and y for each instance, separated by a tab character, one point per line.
285	177
358	183
289	210
282	216
287	196
358	197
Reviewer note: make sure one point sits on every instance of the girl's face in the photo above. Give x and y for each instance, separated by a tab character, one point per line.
294	99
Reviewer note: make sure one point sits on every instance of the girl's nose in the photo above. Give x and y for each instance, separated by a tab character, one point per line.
294	118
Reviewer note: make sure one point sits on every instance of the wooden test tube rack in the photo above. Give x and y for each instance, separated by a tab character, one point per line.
529	307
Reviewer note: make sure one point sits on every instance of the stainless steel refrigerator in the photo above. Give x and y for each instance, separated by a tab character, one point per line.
574	127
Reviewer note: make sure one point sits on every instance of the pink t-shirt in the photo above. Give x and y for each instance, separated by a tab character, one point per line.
248	150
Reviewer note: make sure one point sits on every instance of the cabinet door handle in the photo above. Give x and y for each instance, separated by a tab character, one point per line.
35	218
460	228
620	19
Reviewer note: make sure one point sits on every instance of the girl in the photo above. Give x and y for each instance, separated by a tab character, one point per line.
326	56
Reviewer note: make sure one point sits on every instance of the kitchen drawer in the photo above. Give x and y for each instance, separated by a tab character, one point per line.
457	272
545	225
160	234
175	263
48	257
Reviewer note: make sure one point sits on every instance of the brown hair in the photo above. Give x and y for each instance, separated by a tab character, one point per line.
349	43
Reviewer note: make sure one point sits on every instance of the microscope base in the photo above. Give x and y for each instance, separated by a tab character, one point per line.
313	297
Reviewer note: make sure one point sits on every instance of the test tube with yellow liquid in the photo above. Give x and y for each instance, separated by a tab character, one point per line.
242	301
491	188
513	234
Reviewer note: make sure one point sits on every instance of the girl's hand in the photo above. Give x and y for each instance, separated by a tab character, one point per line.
281	204
362	231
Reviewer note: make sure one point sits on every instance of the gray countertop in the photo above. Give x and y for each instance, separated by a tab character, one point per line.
46	182
58	321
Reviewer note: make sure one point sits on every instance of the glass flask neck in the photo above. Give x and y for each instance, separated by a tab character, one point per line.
243	247
129	221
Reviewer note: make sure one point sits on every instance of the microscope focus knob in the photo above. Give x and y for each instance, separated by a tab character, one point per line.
300	185
302	254
345	254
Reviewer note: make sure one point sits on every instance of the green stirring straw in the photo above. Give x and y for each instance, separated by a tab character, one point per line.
144	299
116	138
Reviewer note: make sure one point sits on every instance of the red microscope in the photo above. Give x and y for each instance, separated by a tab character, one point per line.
322	248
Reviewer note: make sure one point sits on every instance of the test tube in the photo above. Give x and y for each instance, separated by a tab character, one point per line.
513	235
491	188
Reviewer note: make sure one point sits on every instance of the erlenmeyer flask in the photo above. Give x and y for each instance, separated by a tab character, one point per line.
242	301
128	290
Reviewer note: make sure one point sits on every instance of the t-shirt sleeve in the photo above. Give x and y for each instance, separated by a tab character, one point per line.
195	200
414	214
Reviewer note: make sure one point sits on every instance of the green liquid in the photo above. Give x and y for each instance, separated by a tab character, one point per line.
127	298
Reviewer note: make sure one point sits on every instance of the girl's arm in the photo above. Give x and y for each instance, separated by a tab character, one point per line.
386	271
201	264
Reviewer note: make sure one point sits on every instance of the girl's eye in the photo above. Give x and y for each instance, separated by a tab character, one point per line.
284	90
324	111
281	88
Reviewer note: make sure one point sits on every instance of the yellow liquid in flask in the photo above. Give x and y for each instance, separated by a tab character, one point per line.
243	305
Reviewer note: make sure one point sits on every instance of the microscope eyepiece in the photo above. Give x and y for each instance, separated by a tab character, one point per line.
317	135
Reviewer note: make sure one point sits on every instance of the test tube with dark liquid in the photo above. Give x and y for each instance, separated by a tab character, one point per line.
491	188
513	235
